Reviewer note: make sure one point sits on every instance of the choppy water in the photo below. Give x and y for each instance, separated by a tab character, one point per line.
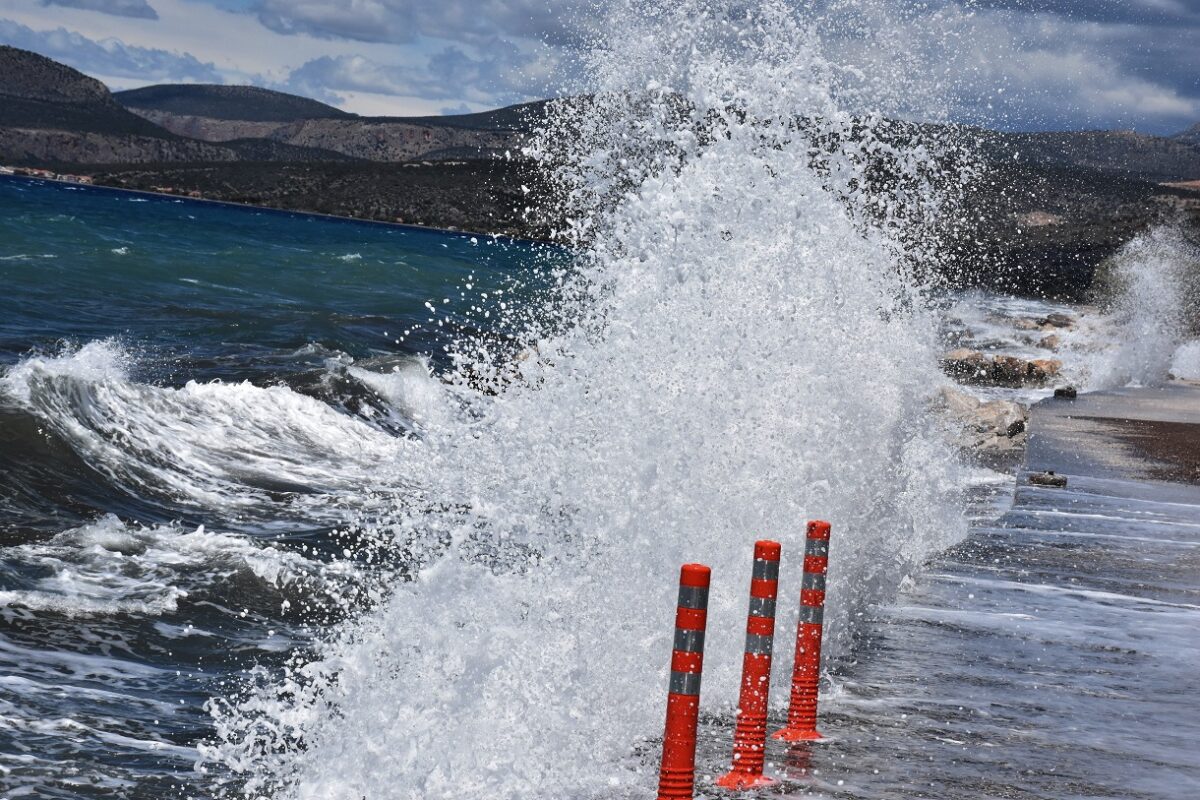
194	399
287	513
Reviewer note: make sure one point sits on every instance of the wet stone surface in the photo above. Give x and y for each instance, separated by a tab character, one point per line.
1050	655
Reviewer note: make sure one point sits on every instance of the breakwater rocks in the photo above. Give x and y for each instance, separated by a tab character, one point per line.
990	429
999	372
975	367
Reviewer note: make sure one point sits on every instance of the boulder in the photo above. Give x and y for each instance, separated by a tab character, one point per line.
1066	393
1002	417
989	429
959	405
1042	369
1009	371
1056	321
1026	324
973	367
969	366
1050	342
1048	479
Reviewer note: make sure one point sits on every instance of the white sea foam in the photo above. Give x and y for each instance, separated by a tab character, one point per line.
738	349
410	390
1185	363
220	446
108	567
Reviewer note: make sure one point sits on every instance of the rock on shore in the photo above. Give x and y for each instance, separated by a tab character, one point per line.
974	367
991	429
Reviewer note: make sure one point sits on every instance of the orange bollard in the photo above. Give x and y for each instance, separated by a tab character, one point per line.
750	733
806	673
677	778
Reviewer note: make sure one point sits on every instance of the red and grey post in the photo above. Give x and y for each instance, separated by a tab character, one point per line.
750	733
677	778
806	673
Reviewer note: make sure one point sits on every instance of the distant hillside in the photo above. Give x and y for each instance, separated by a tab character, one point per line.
221	114
1153	158
488	196
1191	135
53	115
226	102
29	76
521	117
38	93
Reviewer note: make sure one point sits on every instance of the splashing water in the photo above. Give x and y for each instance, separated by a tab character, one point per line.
1150	280
738	347
204	444
1186	361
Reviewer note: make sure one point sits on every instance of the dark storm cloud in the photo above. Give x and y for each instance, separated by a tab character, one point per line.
1030	64
1102	64
118	8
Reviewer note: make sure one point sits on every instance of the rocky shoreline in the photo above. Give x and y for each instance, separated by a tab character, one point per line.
987	416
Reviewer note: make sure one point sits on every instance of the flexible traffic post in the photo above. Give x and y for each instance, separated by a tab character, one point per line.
750	732
677	777
806	672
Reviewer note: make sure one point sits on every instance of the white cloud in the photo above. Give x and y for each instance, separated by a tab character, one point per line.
1018	70
556	22
108	57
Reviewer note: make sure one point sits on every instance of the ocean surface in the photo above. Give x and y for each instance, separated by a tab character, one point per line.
193	399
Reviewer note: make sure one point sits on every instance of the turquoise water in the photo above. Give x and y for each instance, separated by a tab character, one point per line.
223	285
194	402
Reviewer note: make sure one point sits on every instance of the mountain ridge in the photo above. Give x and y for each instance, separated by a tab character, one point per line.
52	114
228	102
199	117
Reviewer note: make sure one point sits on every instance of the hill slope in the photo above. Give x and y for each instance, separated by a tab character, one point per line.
30	76
51	114
221	114
226	102
1153	158
1191	135
38	93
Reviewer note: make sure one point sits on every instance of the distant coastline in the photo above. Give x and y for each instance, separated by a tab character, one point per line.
28	174
1053	207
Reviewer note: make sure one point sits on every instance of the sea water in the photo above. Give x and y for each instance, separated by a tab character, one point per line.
304	508
194	399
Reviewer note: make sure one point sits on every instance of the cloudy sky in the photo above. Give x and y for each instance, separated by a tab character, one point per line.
1020	64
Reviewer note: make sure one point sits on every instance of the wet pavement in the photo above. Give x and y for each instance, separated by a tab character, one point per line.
1054	654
